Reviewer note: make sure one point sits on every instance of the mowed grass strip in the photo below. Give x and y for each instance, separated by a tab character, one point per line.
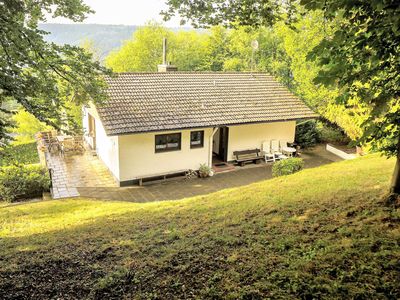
320	233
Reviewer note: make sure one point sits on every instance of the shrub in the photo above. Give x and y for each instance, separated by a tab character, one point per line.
287	166
307	134
23	181
205	171
19	154
332	134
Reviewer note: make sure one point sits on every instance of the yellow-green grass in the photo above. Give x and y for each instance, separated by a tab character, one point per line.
320	233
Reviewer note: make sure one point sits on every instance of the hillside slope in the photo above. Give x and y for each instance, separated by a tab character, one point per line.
321	233
104	37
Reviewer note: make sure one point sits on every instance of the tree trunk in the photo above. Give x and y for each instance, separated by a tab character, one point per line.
395	187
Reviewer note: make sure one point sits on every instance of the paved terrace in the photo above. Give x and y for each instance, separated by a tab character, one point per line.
86	176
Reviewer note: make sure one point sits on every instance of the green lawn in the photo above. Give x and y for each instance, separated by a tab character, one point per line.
22	153
321	233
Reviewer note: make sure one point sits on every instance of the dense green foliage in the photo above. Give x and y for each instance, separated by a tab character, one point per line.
26	127
287	166
218	49
298	41
23	181
38	75
291	237
357	54
311	132
364	55
229	12
24	153
331	133
307	134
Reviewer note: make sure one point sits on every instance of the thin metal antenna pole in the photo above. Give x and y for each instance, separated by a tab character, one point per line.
164	51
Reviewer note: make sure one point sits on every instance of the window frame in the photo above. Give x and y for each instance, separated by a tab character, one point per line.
165	135
201	145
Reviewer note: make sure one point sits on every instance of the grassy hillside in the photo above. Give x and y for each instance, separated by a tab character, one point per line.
321	233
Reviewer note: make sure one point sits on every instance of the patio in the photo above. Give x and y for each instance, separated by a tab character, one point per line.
86	176
70	172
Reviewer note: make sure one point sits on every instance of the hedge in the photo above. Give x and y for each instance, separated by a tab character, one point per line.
23	181
287	166
19	154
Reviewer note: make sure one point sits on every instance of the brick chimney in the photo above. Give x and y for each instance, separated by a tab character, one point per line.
166	67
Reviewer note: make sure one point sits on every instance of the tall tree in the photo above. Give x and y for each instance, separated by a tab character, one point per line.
141	53
298	41
241	56
361	56
188	50
216	49
31	69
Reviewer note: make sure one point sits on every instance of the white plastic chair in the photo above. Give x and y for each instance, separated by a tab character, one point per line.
275	149
266	151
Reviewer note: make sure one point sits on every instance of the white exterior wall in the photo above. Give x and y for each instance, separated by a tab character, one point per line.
85	125
244	137
133	156
138	157
85	121
106	146
107	150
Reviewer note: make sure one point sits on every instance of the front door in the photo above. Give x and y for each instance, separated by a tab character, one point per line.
223	143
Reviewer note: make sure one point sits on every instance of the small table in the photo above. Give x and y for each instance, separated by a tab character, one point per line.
289	151
62	138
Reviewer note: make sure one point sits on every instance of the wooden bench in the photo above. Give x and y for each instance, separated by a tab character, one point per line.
161	176
253	155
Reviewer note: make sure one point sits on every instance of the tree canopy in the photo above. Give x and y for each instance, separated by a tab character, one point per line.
216	49
38	75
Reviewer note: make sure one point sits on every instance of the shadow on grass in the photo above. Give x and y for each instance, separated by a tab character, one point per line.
329	250
313	235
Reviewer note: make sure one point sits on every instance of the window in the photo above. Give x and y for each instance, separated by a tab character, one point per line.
168	142
197	139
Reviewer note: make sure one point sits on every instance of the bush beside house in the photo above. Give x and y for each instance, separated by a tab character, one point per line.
25	153
331	133
287	166
311	132
307	134
20	174
205	171
23	181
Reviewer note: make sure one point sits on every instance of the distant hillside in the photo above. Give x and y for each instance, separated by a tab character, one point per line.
105	37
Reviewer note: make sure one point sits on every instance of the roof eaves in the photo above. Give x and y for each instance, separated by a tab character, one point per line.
212	126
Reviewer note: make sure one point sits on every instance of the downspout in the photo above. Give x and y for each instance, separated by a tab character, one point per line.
210	146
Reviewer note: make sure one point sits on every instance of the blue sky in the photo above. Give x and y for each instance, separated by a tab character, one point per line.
127	12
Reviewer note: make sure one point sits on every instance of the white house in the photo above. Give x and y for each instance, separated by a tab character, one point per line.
169	122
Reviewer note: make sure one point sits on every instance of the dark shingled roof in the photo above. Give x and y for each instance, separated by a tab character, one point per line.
142	102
